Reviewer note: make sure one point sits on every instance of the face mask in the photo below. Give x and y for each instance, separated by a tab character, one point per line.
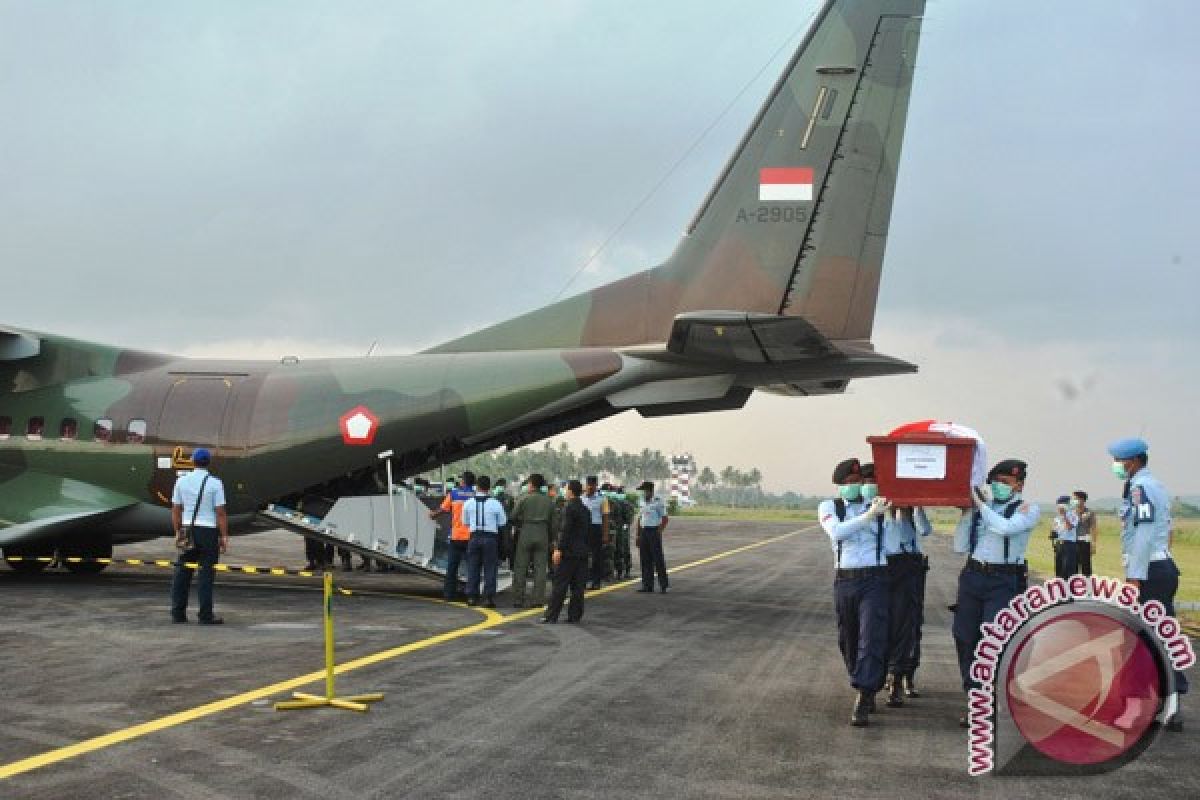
869	491
850	491
544	490
1119	470
1001	491
1074	503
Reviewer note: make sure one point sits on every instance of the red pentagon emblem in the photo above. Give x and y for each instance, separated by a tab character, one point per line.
1083	688
358	426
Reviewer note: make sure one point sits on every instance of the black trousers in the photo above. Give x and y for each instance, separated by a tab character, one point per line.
1067	563
1085	557
651	558
596	546
980	598
861	605
204	552
571	573
906	596
1161	584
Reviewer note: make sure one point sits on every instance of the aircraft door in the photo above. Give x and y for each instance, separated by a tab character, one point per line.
193	415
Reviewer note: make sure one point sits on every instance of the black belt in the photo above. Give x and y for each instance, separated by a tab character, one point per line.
901	558
974	565
861	572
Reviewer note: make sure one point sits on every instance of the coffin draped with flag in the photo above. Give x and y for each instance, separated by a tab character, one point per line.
929	463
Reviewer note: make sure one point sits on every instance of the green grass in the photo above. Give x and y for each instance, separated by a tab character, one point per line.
1185	547
749	514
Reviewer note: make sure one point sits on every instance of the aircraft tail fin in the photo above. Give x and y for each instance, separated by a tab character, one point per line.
797	221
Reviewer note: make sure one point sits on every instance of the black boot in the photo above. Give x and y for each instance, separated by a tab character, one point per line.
858	717
1175	723
870	700
490	602
910	686
894	699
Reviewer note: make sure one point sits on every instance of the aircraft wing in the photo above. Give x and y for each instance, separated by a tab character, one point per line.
36	506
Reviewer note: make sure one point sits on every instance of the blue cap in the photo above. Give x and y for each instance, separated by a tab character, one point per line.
1128	448
201	457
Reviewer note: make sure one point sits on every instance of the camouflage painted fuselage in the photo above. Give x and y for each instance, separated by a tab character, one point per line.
772	287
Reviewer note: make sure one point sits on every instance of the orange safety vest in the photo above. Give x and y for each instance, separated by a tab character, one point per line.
453	503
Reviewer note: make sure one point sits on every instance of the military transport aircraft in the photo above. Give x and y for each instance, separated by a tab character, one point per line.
772	287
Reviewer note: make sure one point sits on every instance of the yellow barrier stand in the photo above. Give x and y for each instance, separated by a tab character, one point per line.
303	700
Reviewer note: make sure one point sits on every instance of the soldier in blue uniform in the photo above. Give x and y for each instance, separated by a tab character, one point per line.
994	536
907	565
860	588
1145	514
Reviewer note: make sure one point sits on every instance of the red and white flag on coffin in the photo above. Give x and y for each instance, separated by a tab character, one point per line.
979	467
785	184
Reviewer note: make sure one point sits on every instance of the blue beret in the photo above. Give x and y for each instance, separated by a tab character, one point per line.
201	457
1128	448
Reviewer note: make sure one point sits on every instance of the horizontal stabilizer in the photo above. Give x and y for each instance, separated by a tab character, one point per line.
742	338
16	345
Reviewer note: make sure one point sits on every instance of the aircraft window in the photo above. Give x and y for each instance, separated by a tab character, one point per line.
5	427
136	433
102	430
69	429
33	430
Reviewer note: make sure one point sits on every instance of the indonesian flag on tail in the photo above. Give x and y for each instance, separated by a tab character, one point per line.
785	184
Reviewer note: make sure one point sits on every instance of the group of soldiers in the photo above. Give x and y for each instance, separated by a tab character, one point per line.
879	581
533	520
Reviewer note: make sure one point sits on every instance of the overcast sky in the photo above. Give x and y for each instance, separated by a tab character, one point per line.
251	178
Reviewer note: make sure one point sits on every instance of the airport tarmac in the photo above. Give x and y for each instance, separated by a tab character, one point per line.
729	686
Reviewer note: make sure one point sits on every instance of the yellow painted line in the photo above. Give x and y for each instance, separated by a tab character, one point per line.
492	619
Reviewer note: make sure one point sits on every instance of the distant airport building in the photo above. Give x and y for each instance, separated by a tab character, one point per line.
683	470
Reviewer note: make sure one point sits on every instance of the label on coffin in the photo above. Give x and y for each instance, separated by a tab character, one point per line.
921	461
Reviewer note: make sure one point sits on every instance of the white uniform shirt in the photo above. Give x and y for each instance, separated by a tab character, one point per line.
187	487
483	513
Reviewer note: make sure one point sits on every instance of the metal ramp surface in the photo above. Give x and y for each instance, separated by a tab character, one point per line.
400	533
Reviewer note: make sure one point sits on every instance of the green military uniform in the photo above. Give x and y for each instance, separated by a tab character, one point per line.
622	557
533	516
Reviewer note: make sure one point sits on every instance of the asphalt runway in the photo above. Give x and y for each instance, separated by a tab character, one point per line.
729	686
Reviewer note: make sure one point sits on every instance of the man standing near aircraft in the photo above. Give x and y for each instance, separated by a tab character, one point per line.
460	534
484	516
652	522
570	558
198	508
531	518
597	505
860	588
1145	514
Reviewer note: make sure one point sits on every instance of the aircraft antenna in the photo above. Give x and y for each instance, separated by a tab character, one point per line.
682	158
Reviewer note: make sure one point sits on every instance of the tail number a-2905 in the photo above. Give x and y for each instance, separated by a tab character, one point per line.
773	214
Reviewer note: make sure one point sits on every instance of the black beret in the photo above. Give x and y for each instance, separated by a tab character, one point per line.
868	471
845	469
1009	466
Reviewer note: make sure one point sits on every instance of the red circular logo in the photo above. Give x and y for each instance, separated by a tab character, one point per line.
1083	688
